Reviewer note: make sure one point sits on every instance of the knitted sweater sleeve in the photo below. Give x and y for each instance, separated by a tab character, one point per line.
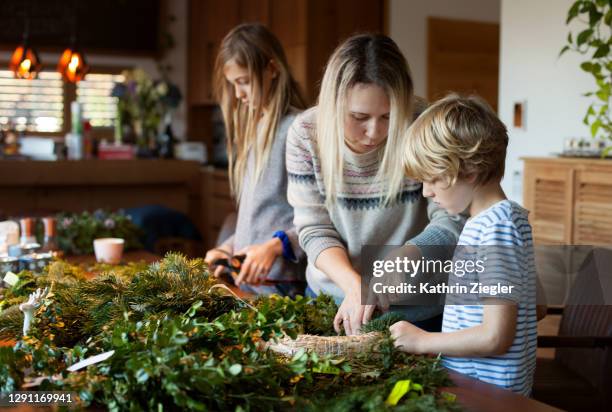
314	227
443	229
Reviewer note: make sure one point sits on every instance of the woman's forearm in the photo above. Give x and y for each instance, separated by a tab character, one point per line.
335	263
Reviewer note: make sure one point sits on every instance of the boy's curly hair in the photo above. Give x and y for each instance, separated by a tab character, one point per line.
456	137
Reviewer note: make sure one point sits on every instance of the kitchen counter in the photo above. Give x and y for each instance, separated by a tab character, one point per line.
38	187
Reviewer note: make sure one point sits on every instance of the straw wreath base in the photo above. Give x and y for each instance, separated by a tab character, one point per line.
335	346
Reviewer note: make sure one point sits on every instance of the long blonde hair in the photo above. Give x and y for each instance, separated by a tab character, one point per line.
370	59
253	47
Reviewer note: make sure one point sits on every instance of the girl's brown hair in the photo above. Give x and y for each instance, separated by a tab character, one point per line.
253	47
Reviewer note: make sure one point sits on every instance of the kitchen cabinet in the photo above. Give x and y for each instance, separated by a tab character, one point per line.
570	200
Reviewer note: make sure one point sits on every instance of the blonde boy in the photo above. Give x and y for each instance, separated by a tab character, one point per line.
457	148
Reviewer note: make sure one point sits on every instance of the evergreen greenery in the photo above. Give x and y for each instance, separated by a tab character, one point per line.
181	346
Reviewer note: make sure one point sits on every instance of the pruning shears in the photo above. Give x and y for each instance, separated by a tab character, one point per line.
233	264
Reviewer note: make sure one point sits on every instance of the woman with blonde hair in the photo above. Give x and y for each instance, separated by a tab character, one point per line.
259	99
346	178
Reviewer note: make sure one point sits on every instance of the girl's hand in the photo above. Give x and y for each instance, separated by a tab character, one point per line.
406	336
352	314
258	261
221	252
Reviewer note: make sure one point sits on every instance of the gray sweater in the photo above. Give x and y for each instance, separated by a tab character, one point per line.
358	217
264	208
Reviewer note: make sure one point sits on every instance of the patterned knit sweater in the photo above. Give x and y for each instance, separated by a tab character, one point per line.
358	216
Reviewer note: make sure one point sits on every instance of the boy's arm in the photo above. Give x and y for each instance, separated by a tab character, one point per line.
493	337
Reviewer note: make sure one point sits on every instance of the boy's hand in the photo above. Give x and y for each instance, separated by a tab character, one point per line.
407	337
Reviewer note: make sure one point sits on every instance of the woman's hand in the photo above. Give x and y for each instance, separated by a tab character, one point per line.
259	259
221	252
352	314
406	336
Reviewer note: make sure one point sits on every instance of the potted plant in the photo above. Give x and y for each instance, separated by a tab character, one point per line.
143	103
594	41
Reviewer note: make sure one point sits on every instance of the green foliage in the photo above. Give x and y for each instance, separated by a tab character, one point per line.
77	231
313	316
86	306
178	345
382	323
595	41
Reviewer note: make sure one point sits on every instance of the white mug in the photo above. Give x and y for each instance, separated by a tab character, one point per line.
108	250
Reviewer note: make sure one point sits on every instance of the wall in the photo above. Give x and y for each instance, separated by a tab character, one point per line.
408	27
178	57
532	34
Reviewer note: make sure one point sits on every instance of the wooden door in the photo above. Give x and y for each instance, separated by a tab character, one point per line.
462	57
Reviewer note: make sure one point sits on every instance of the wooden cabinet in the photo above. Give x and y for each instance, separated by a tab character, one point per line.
570	200
217	203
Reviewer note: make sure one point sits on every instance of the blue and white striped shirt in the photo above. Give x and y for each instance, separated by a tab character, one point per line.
503	226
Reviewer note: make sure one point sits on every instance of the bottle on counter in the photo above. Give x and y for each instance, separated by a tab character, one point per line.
27	231
88	141
74	139
50	239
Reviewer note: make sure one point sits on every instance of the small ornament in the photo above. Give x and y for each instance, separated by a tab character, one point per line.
30	306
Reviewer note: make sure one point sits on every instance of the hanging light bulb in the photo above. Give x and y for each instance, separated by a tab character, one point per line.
25	63
72	65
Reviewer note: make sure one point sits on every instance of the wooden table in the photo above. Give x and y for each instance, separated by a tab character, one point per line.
477	396
134	256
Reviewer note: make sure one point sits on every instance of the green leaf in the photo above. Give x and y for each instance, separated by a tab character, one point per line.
589	113
595	127
587	66
608	18
399	390
605	152
570	39
86	396
603	109
594	16
563	50
235	369
583	37
193	309
450	397
327	369
603	95
142	376
587	6
602	51
573	12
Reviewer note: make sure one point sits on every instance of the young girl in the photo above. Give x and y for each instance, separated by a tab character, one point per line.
259	99
346	179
